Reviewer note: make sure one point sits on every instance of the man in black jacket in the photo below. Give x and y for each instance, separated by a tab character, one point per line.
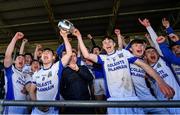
74	85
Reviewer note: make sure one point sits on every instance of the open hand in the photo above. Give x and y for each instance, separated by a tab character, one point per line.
144	22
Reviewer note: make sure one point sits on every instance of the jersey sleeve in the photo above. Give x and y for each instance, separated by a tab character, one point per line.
154	37
28	79
101	59
131	58
8	71
34	78
169	55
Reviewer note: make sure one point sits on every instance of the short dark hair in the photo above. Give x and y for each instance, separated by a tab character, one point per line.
35	60
29	55
49	49
108	37
137	41
95	47
150	47
18	55
172	45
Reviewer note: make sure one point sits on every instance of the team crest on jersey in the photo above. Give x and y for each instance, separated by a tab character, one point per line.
37	77
120	55
114	59
50	74
158	65
43	78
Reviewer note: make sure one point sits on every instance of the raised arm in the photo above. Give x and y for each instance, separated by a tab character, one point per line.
168	54
92	40
8	54
65	59
83	48
149	40
24	41
152	33
119	37
38	46
165	88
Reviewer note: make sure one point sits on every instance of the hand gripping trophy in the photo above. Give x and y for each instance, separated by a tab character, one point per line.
66	26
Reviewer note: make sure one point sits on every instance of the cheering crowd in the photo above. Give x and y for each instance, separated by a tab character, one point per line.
142	69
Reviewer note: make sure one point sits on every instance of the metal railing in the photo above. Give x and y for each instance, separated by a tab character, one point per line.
128	104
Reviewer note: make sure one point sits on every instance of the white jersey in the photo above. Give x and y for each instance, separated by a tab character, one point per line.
27	72
142	91
117	73
166	74
15	82
47	82
138	78
176	69
27	69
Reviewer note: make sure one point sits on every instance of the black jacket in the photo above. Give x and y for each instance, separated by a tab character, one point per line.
74	84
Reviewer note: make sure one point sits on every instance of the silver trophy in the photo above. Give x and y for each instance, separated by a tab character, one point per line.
66	26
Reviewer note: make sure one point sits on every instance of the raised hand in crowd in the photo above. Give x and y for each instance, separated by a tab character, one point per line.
89	36
10	48
38	51
174	37
145	22
18	35
24	41
161	39
120	41
148	37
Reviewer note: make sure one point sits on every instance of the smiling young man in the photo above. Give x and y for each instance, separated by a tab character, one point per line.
117	74
45	83
15	79
137	47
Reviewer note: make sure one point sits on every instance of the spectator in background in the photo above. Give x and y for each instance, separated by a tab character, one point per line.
97	71
75	85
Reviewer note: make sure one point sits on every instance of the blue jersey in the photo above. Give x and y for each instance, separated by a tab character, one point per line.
98	71
169	55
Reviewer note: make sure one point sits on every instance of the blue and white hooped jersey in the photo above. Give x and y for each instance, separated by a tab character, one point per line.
117	73
138	78
176	69
15	83
167	75
47	82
